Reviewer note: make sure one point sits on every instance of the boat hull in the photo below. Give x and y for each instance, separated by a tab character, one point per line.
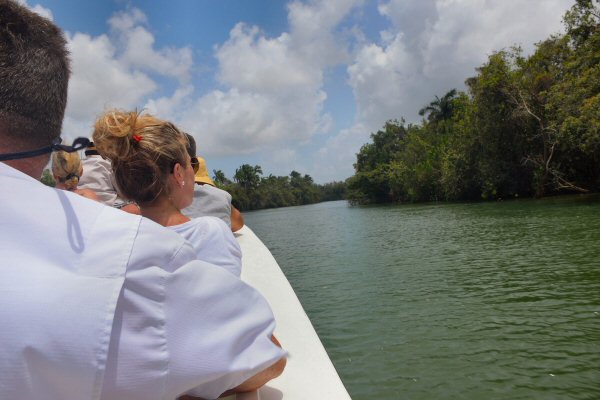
309	373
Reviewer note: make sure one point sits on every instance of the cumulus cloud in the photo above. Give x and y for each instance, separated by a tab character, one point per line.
117	70
274	92
251	62
313	28
43	11
170	107
335	160
99	81
138	49
272	87
383	78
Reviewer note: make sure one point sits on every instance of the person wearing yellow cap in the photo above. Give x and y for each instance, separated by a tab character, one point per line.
209	200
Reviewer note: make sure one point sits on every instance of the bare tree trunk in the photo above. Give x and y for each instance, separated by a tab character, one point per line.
544	161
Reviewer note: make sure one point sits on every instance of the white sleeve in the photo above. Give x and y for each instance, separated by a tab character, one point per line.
215	243
230	338
185	327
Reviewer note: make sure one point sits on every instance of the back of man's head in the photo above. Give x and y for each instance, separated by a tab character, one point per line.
34	74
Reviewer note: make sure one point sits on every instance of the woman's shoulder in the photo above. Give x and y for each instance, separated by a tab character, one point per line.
205	224
210	222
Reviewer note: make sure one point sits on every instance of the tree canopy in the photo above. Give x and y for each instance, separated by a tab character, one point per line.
251	191
526	126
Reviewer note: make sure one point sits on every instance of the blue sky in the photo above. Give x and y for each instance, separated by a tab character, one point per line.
296	85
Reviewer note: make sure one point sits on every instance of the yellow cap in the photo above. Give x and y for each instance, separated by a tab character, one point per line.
202	174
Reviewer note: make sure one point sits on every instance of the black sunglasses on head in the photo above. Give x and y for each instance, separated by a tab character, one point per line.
78	144
195	164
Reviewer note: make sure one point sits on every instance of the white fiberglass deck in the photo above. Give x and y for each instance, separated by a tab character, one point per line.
309	373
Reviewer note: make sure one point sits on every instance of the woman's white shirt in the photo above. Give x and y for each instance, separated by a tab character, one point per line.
213	241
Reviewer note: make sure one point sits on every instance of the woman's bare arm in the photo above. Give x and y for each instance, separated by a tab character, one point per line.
255	382
237	219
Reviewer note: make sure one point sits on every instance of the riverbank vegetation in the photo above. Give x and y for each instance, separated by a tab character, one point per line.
526	126
251	191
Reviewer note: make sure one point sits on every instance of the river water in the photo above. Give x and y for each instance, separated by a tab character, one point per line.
453	301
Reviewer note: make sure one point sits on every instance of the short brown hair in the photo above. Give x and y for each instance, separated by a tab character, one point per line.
34	76
143	150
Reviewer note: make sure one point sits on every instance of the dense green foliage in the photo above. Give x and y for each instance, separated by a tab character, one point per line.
251	191
527	126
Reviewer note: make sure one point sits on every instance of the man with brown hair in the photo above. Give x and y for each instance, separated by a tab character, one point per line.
96	303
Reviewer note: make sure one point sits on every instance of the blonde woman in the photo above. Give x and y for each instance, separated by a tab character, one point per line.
67	169
152	167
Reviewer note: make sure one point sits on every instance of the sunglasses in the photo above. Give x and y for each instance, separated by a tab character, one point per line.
195	164
194	161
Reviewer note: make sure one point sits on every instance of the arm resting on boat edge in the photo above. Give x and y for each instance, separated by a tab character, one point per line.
237	219
255	382
259	380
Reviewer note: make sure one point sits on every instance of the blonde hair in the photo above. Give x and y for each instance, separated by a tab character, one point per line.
67	168
143	151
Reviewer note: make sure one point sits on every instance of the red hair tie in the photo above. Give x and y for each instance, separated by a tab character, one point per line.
137	138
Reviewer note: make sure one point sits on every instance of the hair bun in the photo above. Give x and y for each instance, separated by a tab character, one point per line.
67	168
113	132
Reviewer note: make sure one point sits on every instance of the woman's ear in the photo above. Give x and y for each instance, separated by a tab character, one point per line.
178	174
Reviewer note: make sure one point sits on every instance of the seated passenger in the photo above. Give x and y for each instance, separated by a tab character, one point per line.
67	171
99	178
96	303
209	200
152	167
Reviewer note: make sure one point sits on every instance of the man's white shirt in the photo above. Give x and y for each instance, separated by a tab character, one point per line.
101	304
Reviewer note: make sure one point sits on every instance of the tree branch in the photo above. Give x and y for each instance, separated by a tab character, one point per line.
564	184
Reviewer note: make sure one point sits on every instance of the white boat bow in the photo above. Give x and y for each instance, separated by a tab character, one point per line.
309	373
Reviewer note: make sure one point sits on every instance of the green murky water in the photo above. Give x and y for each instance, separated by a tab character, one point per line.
453	301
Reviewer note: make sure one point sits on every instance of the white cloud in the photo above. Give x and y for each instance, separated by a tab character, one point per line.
139	49
99	81
383	78
170	108
313	26
38	9
127	20
273	92
238	122
466	32
251	62
335	160
115	71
